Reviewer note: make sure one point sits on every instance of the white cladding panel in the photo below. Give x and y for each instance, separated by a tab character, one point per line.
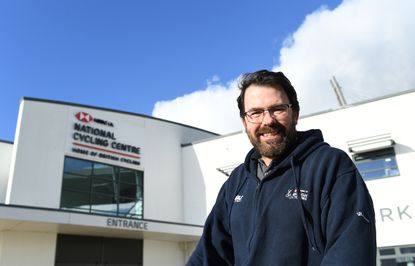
36	170
6	157
27	248
156	253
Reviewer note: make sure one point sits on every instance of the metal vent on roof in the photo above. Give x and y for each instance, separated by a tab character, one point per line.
227	170
373	143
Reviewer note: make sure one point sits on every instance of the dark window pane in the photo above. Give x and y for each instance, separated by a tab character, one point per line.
75	200
128	190
104	171
76	182
131	176
101	199
75	166
377	164
103	186
103	204
387	251
407	250
388	262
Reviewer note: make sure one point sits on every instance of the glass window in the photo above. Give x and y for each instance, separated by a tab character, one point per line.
76	182
79	167
387	251
397	256
377	164
407	250
102	189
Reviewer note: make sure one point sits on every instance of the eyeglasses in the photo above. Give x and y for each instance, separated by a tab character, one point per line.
257	115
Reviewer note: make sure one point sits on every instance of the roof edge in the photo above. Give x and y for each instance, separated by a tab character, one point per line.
114	110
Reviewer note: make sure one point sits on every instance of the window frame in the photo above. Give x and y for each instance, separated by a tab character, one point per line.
93	194
369	159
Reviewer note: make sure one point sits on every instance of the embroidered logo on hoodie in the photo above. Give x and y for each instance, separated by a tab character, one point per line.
292	194
238	198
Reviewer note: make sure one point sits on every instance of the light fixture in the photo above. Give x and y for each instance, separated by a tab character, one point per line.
373	143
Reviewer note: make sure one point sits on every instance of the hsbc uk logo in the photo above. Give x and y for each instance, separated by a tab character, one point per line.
85	117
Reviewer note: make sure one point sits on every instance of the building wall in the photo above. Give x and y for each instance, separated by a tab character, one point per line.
181	182
393	197
6	156
27	248
201	178
156	253
45	134
36	161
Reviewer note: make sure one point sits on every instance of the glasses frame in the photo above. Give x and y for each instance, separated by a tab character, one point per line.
271	111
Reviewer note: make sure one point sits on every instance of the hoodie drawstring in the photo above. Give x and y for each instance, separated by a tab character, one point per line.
310	235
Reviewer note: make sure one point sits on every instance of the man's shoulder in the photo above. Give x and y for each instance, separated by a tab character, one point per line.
331	158
237	176
330	152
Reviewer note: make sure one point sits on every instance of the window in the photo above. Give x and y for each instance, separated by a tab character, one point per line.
99	188
377	164
397	256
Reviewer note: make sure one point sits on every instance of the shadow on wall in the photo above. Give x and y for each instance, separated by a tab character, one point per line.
194	188
400	148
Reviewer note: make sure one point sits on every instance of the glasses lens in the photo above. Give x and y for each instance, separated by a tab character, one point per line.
256	116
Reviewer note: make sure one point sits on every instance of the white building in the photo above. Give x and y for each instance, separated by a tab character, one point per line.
82	184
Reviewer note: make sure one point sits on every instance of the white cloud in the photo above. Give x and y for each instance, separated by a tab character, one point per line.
213	108
366	44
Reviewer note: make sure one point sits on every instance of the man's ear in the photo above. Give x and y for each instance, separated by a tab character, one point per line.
243	123
296	115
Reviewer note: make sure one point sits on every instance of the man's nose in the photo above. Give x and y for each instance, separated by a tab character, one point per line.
268	118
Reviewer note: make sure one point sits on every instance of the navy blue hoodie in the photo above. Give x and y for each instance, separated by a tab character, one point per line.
313	208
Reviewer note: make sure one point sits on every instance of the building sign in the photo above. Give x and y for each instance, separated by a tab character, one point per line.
97	137
395	219
127	224
396	213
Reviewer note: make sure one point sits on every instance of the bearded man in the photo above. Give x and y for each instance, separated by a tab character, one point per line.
295	200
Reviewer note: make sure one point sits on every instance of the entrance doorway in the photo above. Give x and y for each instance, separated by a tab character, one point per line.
73	250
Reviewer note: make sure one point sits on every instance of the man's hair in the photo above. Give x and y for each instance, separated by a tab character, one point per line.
266	78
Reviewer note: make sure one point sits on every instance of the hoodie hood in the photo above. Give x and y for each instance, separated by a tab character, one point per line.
306	142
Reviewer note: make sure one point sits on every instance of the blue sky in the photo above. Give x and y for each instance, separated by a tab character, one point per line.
128	55
133	55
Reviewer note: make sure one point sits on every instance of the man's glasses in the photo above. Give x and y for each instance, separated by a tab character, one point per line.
257	115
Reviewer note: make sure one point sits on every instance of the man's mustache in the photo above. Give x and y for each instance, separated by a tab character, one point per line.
274	128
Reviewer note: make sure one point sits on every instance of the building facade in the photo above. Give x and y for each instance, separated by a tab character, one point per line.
377	135
89	186
82	185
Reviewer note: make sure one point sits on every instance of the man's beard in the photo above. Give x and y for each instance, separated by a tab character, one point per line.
273	148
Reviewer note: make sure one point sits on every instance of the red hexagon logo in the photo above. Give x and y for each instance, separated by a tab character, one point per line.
84	117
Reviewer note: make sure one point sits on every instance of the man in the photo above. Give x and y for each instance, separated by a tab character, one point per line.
295	200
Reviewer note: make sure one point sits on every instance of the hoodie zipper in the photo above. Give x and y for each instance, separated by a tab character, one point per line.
255	218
